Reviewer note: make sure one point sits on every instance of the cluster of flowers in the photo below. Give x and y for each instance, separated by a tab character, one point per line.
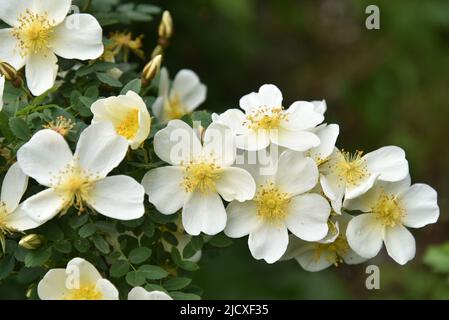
288	187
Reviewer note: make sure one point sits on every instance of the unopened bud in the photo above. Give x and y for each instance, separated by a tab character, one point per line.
152	69
31	241
10	74
166	26
157	51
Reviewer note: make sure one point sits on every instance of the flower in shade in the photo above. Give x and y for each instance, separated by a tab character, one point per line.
80	280
139	293
332	250
199	174
129	115
80	179
265	120
181	97
12	216
281	204
388	209
350	175
39	31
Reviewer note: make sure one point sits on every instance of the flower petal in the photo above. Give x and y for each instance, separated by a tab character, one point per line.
21	221
41	70
79	37
219	144
177	143
236	184
139	293
364	202
334	189
320	106
421	206
9	50
242	219
44	205
400	244
307	217
158	108
118	197
164	188
195	97
253	140
310	261
86	271
2	88
270	96
185	82
389	162
107	289
353	191
203	213
14	186
302	116
53	285
100	149
365	235
56	10
44	156
295	173
328	136
268	242
233	118
294	140
250	102
12	9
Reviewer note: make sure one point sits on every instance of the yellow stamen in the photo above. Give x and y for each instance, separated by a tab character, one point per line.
34	32
174	109
332	252
388	210
201	176
61	125
265	118
87	292
272	203
5	229
351	168
129	126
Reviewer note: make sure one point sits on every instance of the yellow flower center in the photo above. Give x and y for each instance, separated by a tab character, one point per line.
272	203
265	118
74	186
351	168
174	109
332	252
201	176
4	228
388	210
129	126
61	125
87	292
33	32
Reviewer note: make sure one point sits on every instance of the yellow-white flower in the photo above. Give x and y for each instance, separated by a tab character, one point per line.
281	204
40	30
350	175
199	174
80	179
332	250
2	87
129	115
12	216
139	293
328	134
390	207
183	96
265	120
80	280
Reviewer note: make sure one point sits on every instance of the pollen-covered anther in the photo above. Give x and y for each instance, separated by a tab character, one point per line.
201	176
86	292
388	210
265	118
332	252
272	203
61	125
351	168
129	126
174	108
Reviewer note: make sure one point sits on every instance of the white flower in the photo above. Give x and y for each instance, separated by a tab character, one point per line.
12	216
328	134
332	250
280	204
182	97
390	208
39	31
139	293
320	106
2	87
80	280
199	174
81	179
265	120
350	175
129	115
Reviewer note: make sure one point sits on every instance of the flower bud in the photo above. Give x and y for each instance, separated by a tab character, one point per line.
152	69
10	74
157	51
166	26
31	241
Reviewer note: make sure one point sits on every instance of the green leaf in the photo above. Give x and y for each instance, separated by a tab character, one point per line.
27	275
139	255
107	79
176	283
153	272
134	85
6	266
38	257
77	221
64	246
87	230
101	244
184	296
20	128
148	228
82	245
119	268
220	241
52	232
183	264
135	278
4	127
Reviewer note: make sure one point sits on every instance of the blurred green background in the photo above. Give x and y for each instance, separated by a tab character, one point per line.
387	86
